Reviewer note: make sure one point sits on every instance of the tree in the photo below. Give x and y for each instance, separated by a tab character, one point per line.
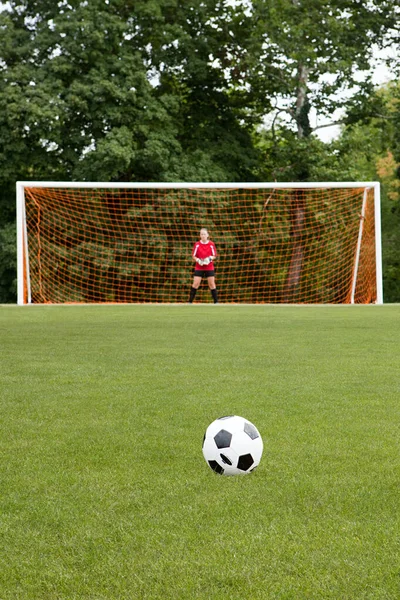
310	50
80	92
8	263
116	90
368	149
136	90
314	51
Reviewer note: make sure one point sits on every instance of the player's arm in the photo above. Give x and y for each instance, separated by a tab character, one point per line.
213	256
195	258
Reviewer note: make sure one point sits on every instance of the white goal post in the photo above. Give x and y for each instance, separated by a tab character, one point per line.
24	258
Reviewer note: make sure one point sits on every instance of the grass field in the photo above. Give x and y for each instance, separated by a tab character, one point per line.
104	492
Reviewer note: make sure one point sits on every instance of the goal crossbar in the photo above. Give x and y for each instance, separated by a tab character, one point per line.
200	185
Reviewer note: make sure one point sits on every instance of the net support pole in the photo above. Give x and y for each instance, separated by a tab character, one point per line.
378	244
20	245
23	278
358	248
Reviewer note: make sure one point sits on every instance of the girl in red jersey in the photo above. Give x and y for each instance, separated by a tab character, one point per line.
204	254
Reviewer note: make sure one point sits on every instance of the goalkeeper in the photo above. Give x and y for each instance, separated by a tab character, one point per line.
204	254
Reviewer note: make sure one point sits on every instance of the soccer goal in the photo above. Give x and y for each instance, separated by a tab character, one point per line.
132	242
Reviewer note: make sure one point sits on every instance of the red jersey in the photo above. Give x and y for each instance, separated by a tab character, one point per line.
204	250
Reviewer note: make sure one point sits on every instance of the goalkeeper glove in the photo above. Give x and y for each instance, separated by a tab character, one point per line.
199	261
207	260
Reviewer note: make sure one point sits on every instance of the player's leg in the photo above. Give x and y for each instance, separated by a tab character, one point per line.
194	288
213	288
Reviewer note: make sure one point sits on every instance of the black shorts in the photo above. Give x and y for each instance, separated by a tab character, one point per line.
202	273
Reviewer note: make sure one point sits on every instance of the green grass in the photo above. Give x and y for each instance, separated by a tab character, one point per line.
104	492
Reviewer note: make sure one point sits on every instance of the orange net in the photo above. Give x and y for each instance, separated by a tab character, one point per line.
134	245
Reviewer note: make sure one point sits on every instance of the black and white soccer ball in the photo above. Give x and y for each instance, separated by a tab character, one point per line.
232	446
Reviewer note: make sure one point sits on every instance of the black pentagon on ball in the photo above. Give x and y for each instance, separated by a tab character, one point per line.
245	462
223	439
216	467
251	431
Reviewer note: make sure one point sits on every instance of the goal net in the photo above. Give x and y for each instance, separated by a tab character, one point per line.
124	243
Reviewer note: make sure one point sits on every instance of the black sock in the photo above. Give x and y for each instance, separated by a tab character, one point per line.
214	294
192	294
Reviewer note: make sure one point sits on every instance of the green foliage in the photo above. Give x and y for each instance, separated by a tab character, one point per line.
115	91
163	90
90	101
367	150
363	151
8	263
286	157
305	53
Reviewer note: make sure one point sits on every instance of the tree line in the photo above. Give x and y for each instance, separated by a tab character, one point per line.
197	90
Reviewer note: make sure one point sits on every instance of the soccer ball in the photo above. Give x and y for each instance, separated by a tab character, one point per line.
232	446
